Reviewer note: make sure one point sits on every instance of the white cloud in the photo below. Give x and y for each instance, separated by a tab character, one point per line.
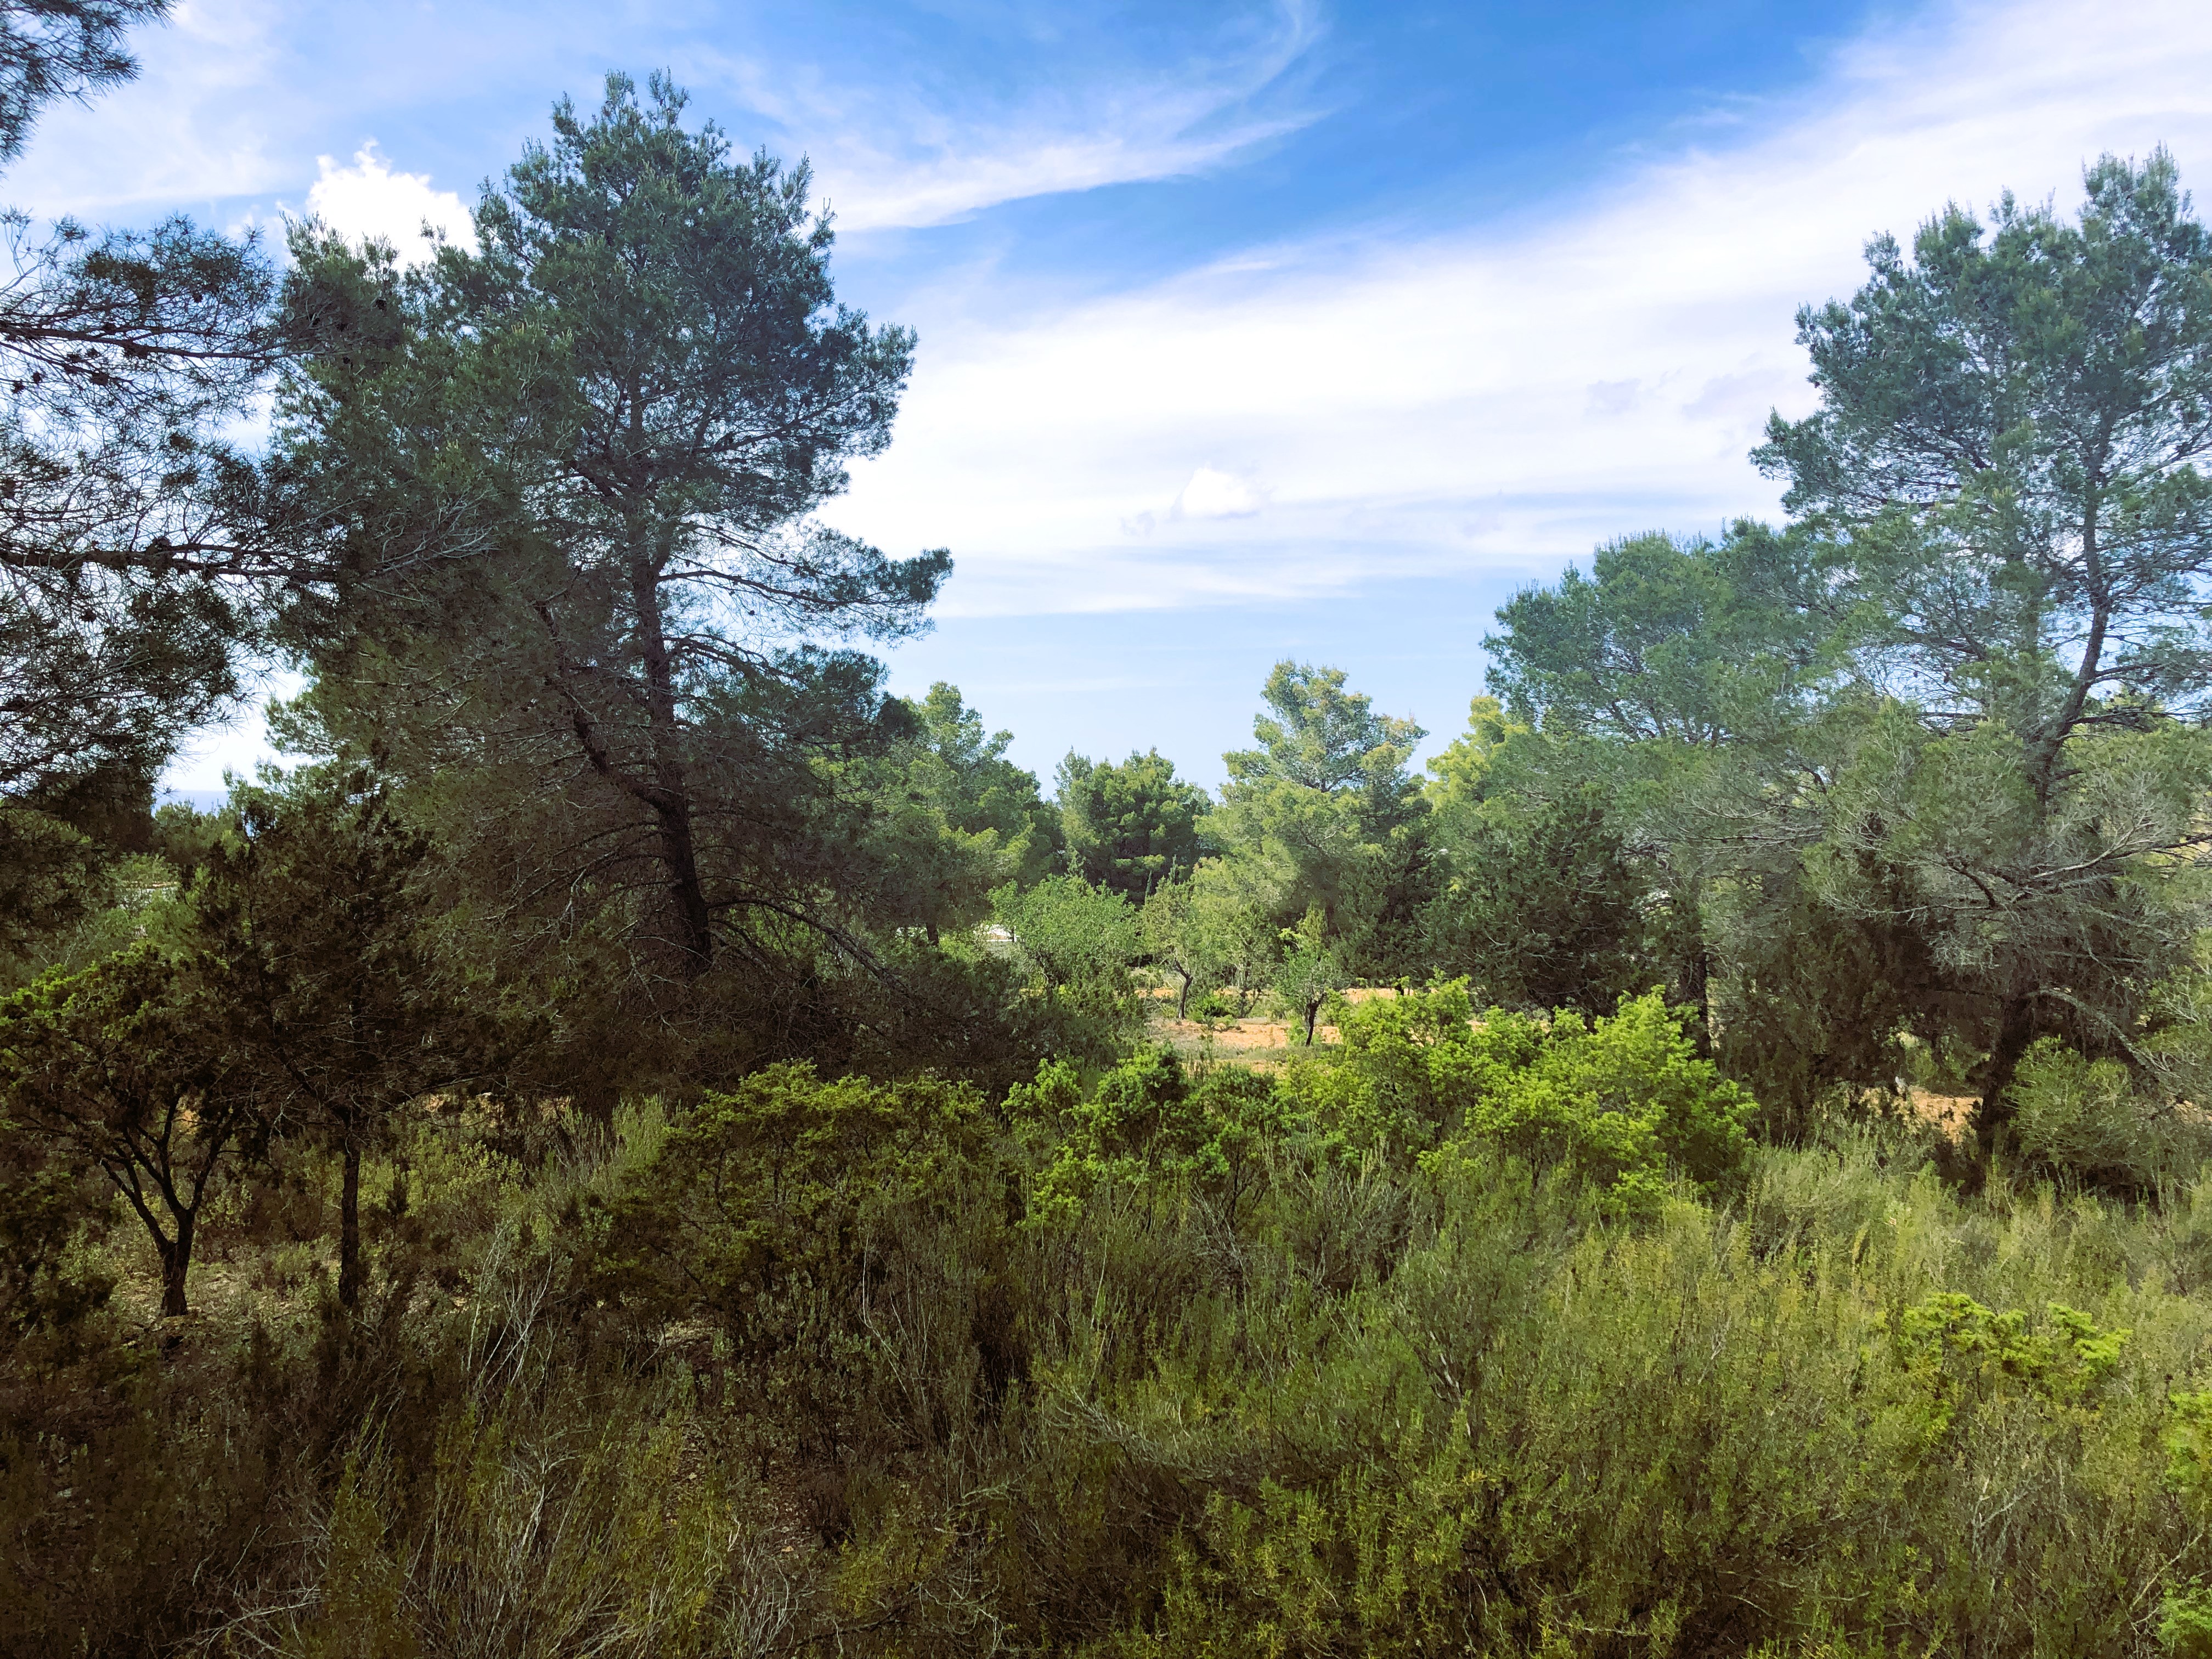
236	744
1496	399
369	200
890	156
1212	494
193	127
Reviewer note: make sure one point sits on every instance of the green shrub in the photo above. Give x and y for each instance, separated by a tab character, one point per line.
2086	1123
1170	1360
1078	941
808	1225
1405	1070
47	1287
1218	1006
1545	1434
1621	1102
1147	1122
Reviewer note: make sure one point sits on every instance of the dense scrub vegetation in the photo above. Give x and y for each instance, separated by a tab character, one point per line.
649	1144
1360	1360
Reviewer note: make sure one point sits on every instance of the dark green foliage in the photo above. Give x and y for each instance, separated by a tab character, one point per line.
1541	905
52	876
120	1534
2010	451
72	850
1326	813
47	1201
1695	643
951	819
135	559
628	395
1624	1102
1146	1122
972	1017
1131	826
2090	1123
1078	940
1810	1002
1149	1365
129	1068
780	1214
312	914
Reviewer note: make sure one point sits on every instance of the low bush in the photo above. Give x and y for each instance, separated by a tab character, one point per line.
2090	1123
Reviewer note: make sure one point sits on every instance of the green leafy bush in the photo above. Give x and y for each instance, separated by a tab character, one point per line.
1147	1121
844	1243
46	1285
1621	1102
1406	1071
2090	1123
1078	941
1966	1351
1217	1007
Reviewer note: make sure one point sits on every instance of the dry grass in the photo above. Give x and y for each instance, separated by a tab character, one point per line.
1261	1041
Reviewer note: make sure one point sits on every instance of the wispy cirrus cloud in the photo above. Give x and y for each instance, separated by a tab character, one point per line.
1078	111
1410	403
193	128
236	97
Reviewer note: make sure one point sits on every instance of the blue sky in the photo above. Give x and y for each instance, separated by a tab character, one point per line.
1247	330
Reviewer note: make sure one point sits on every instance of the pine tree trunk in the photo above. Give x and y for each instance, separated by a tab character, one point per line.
2014	1031
349	1226
1698	972
672	787
679	853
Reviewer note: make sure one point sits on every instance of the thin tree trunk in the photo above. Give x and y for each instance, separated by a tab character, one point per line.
2052	739
2015	1030
1700	976
349	1226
